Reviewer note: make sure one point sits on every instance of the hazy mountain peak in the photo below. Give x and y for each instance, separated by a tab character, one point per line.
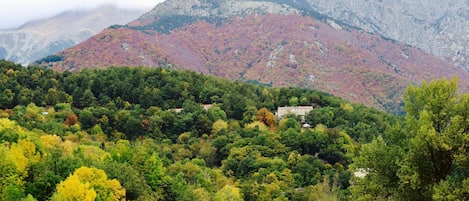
39	38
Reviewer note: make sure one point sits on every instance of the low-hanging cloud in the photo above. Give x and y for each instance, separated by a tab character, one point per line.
17	12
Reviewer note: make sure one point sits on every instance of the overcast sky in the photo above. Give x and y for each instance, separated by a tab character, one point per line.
14	13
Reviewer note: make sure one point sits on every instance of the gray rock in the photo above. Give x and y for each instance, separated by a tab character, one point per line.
439	27
215	8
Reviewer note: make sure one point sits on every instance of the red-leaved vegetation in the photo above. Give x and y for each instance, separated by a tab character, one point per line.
279	50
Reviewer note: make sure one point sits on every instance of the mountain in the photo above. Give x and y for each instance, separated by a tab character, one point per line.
271	43
37	39
435	26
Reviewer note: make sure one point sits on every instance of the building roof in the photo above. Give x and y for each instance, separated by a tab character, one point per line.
298	110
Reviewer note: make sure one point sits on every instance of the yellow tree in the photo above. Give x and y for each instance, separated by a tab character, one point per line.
228	193
266	117
219	125
89	184
257	125
15	161
12	173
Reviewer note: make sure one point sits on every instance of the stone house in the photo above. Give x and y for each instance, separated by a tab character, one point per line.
301	111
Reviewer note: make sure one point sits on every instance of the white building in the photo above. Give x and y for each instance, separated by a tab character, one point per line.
301	111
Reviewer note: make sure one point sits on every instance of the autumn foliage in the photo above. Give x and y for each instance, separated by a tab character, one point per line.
129	142
266	117
71	120
89	184
278	50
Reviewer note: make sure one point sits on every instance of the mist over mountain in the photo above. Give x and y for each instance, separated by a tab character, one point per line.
37	39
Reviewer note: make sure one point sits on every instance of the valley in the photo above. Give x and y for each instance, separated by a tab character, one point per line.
238	100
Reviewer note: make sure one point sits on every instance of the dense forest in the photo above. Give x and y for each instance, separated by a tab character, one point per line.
130	133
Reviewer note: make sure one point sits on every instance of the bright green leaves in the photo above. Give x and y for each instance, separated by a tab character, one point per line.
153	171
437	98
228	192
434	127
447	190
423	159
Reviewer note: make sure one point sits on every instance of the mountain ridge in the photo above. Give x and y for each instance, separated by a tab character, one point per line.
37	39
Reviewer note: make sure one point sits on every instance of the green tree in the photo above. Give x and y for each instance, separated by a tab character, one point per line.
216	113
228	193
25	96
287	123
134	183
323	115
424	159
294	101
54	96
437	127
179	189
154	171
6	98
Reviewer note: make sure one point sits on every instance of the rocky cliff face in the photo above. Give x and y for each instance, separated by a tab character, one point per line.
439	27
38	39
173	14
211	8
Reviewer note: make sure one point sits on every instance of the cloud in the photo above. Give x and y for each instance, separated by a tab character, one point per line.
14	13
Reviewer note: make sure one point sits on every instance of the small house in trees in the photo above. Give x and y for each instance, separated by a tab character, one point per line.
299	110
205	106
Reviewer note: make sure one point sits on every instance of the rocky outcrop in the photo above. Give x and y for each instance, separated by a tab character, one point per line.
437	27
216	8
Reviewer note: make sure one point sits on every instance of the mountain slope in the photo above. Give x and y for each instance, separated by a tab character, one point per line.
38	39
239	40
274	49
435	26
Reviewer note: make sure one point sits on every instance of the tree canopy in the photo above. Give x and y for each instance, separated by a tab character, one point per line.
158	134
426	158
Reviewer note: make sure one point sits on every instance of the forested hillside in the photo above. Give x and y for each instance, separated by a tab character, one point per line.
143	134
